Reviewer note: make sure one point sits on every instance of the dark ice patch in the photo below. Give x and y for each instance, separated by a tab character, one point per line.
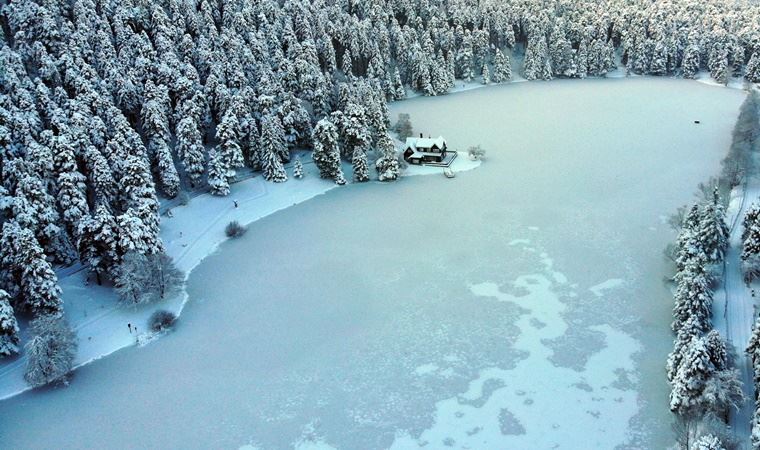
573	349
509	424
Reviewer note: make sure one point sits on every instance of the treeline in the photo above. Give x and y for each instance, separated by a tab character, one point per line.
106	106
703	385
751	265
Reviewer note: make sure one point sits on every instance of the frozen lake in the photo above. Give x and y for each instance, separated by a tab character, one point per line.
520	305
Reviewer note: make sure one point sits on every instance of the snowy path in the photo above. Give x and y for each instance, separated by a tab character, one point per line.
191	233
734	308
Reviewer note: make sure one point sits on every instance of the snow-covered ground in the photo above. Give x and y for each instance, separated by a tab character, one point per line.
516	306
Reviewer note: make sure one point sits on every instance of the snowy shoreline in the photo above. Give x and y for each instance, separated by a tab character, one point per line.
92	310
190	234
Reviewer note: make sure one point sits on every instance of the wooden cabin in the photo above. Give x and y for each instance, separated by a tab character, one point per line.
421	150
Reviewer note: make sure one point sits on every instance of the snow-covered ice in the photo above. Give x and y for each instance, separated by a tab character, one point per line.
601	288
287	340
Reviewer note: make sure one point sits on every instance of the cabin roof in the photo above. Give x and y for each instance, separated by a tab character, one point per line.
415	142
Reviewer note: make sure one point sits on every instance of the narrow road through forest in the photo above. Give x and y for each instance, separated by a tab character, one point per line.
734	310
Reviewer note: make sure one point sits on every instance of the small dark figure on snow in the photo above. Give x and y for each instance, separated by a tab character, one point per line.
129	325
235	202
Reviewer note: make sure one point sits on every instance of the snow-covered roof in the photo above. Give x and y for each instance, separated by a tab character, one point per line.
415	142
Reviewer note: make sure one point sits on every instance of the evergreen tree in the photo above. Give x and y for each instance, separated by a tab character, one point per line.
326	152
502	70
34	209
8	327
709	442
486	75
217	174
693	296
273	137
39	283
271	146
100	177
688	331
399	93
690	62
752	71
272	167
97	242
713	231
387	165
190	149
298	169
359	162
71	197
227	133
694	371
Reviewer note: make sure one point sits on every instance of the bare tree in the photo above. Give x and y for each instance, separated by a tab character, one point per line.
404	126
50	352
146	278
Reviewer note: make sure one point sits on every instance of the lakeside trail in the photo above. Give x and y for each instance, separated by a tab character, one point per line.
734	307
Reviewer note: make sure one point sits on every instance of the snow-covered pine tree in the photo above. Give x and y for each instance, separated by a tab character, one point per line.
326	153
34	209
97	242
713	231
296	124
560	50
39	283
297	169
71	197
716	348
387	165
273	137
688	331
502	70
399	93
752	71
359	162
485	75
217	174
228	135
271	146
753	350
709	442
155	124
190	149
693	297
353	127
100	177
272	167
690	62
659	62
693	372
752	216
136	185
464	58
346	64
439	75
8	326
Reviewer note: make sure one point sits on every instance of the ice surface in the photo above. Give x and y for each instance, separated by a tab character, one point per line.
311	329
